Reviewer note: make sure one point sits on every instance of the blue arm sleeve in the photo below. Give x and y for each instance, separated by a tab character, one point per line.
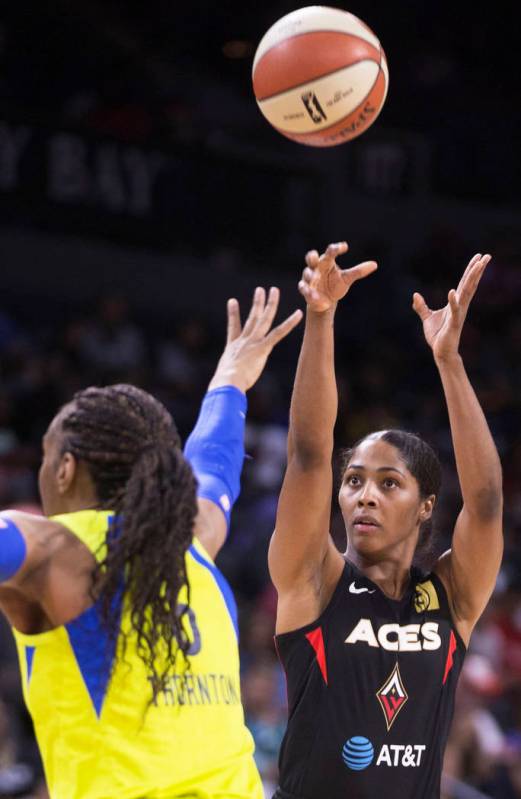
215	448
12	548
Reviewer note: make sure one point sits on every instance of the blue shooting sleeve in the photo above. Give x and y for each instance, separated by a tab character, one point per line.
215	447
12	548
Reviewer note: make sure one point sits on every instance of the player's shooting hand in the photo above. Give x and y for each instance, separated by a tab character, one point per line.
442	328
247	348
323	283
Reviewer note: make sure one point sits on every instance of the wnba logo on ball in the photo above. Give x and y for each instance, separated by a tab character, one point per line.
313	107
358	753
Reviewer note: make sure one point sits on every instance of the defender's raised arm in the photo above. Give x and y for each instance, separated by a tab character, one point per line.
215	448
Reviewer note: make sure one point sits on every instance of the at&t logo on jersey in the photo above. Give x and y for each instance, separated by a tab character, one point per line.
397	637
358	754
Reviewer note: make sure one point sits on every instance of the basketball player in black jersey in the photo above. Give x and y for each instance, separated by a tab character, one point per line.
372	649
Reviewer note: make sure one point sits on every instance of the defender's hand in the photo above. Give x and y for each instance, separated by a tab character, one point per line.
247	349
324	283
442	328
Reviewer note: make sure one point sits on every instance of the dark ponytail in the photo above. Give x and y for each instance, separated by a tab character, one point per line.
133	453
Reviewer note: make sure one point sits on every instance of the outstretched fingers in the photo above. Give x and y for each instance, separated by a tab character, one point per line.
322	263
420	306
261	316
470	281
285	327
234	320
332	252
265	320
257	307
358	272
312	259
473	261
454	304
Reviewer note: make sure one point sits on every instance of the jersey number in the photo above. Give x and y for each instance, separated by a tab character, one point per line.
195	646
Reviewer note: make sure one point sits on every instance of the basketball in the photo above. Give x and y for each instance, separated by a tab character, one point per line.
320	76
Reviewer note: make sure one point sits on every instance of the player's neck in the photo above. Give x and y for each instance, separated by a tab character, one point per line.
392	576
75	502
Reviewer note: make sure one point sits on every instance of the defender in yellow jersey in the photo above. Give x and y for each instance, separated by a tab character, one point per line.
125	628
195	725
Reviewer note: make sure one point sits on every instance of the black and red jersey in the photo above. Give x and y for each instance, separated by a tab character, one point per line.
371	688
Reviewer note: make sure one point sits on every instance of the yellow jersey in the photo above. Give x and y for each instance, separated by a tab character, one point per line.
100	736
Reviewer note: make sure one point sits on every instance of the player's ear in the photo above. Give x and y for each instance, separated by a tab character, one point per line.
426	508
66	472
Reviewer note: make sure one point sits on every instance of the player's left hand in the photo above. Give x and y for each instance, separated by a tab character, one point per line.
442	328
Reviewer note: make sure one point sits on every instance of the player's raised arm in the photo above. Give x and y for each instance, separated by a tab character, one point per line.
215	448
303	561
469	570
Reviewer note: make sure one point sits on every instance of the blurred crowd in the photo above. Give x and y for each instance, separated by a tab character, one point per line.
140	74
154	74
385	378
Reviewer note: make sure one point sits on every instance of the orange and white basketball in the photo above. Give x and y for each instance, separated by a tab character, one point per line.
320	76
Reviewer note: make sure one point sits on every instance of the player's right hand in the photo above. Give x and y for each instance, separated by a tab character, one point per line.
247	348
442	328
323	283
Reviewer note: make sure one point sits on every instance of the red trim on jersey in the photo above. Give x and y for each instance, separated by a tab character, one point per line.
450	661
316	640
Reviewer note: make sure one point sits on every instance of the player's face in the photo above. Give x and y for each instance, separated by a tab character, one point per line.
380	500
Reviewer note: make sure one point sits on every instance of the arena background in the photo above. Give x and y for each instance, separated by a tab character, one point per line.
140	187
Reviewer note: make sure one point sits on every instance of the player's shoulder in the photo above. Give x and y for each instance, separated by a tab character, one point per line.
442	570
27	521
39	532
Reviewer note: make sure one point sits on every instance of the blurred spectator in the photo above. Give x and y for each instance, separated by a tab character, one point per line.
182	357
265	716
111	344
16	778
478	750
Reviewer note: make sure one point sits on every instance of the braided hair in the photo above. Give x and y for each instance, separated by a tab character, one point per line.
132	451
